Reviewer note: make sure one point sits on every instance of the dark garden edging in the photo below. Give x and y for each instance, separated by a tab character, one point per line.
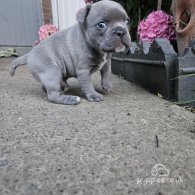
185	87
150	66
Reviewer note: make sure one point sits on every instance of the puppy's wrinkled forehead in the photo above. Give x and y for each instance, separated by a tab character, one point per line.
106	10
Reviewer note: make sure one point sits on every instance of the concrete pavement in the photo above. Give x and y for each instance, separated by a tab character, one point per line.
102	148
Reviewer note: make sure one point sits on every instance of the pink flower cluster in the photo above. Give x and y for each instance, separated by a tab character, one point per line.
158	24
46	30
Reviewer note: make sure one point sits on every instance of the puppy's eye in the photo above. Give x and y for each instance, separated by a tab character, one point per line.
101	25
127	21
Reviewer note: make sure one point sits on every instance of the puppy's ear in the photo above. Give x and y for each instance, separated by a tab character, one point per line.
83	13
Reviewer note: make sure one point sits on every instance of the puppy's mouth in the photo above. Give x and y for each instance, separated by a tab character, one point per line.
115	45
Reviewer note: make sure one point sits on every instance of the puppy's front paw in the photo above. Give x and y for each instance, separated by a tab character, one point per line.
94	97
71	100
107	86
75	100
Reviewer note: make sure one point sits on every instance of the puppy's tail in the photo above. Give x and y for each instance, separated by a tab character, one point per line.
18	62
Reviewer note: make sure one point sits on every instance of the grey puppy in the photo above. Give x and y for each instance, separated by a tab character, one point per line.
79	51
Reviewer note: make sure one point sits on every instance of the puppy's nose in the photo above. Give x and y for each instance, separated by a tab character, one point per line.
120	32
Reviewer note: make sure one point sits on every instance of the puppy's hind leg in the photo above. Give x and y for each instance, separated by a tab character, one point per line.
52	83
64	86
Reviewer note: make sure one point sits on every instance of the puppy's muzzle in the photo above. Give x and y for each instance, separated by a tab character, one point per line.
117	40
122	34
119	31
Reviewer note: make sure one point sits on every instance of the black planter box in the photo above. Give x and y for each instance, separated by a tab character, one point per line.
151	66
185	85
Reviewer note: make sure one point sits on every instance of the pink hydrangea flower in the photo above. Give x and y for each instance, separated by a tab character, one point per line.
46	30
158	24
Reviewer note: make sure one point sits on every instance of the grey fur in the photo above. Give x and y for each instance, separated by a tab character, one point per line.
78	52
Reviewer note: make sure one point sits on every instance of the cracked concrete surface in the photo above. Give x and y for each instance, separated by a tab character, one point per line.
106	148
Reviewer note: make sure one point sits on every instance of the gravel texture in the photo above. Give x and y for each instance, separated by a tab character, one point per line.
105	148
